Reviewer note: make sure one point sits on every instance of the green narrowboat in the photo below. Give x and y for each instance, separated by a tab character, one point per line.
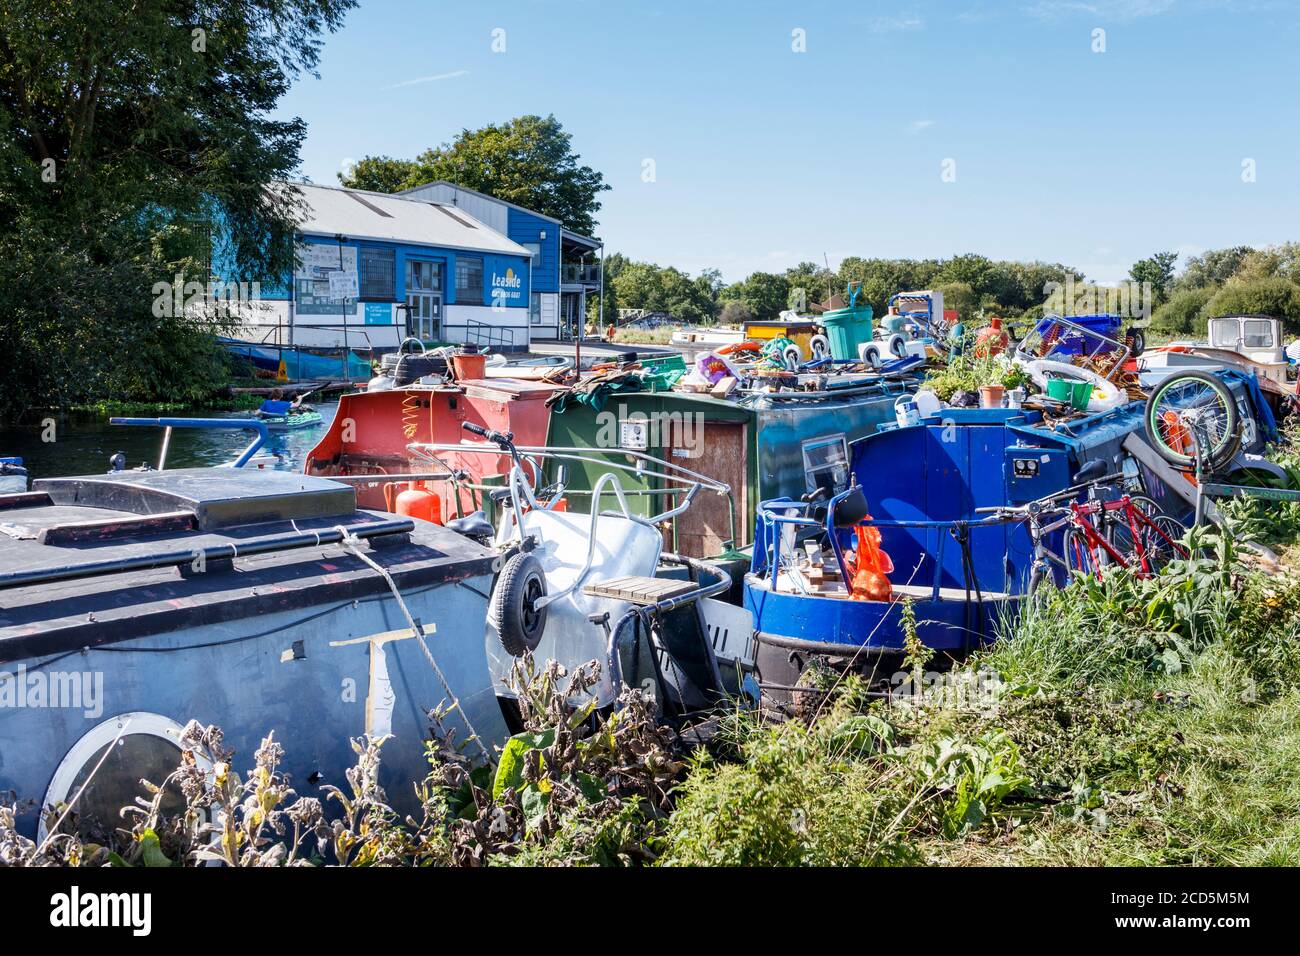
761	444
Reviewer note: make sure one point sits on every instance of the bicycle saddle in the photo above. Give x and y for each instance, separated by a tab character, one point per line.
474	525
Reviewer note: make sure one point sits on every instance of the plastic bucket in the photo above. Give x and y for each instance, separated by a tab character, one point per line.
468	365
1077	394
846	329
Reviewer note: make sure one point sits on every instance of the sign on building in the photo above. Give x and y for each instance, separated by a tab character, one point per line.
316	291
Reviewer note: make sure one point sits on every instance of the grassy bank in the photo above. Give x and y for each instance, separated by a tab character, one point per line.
661	336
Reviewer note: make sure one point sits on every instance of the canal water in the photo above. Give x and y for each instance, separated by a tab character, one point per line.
83	444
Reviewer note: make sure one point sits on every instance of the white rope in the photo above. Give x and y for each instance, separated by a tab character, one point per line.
351	544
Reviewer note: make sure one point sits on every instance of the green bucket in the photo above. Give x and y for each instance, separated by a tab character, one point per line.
847	329
1077	394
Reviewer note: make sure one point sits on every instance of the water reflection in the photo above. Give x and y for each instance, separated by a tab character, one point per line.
83	444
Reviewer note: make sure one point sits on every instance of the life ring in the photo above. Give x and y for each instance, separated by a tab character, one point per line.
1105	394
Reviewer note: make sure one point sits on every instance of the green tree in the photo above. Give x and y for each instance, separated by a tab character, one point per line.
1273	296
528	161
126	138
1157	270
1184	313
1213	268
383	174
1274	261
764	294
809	283
959	296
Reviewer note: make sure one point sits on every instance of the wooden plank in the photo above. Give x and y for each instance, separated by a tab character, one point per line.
639	590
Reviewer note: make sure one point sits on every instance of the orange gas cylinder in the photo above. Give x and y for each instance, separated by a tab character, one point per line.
870	566
991	339
417	501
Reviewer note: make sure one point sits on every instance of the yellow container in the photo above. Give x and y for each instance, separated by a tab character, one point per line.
800	333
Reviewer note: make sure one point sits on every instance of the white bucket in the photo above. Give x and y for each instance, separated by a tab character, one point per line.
906	413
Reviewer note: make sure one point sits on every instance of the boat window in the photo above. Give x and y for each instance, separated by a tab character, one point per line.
1224	333
125	749
826	464
1258	334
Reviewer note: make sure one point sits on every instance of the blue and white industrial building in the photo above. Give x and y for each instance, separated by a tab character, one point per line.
566	265
374	268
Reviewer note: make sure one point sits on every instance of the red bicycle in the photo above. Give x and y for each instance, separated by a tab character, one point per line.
1131	535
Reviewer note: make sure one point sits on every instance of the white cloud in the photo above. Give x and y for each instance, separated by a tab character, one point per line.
429	79
917	126
1105	9
897	23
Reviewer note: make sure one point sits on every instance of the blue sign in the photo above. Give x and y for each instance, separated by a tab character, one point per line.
507	282
379	313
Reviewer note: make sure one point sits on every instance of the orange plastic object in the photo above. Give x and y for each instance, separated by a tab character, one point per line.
991	339
417	501
869	566
745	346
468	365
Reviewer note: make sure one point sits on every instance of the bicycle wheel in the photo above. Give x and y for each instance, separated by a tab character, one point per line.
1078	556
1187	403
1160	546
1118	534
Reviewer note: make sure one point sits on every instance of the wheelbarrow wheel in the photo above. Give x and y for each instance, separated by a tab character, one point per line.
519	623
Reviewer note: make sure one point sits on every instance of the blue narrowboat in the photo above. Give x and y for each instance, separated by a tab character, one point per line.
923	487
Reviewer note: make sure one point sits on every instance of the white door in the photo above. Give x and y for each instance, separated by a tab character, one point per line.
424	299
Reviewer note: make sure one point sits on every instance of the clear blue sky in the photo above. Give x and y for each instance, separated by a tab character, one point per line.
765	157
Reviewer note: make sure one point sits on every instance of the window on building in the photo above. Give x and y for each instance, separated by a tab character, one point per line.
469	280
536	249
378	274
535	308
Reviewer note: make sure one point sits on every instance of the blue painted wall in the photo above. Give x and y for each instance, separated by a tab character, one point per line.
447	257
526	227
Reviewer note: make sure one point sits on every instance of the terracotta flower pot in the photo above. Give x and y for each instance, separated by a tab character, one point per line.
991	396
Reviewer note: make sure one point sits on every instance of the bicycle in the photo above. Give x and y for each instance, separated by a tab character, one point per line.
1152	539
1129	531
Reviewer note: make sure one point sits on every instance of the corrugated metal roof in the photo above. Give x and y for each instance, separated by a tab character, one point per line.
360	214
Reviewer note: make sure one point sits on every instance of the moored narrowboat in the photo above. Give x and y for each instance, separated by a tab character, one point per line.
258	601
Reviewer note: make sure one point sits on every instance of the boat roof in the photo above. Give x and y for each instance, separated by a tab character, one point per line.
93	537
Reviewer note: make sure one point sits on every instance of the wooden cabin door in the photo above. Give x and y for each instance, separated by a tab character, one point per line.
719	451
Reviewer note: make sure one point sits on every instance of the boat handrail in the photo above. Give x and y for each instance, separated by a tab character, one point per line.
242	424
583	454
688	481
770	520
201	556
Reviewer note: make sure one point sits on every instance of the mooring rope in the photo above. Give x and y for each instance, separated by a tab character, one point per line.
351	544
